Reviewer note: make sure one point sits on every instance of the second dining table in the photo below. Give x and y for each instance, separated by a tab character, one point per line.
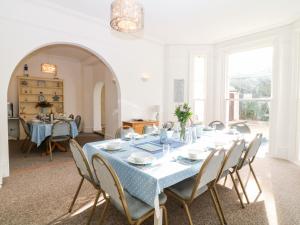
148	181
41	130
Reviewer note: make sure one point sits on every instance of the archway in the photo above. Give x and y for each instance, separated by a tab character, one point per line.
72	104
99	106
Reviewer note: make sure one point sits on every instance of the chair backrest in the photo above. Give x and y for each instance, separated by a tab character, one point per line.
78	121
148	129
25	127
61	128
252	149
110	183
241	127
209	170
82	162
219	125
234	155
122	132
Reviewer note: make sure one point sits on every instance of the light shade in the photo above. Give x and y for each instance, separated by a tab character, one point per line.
127	16
48	68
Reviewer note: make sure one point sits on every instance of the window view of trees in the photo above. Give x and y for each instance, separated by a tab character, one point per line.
249	88
250	85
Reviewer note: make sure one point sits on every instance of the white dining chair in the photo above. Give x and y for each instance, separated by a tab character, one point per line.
60	132
86	173
248	159
188	190
231	163
134	209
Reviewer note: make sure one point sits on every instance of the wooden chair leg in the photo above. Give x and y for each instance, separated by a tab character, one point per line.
165	215
23	145
76	194
186	208
219	204
29	149
216	206
237	191
94	207
243	188
104	210
50	150
255	178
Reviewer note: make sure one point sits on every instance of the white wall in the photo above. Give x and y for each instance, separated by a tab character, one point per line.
283	121
26	28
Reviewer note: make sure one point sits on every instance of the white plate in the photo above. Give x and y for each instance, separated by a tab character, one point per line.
141	158
195	156
136	136
110	148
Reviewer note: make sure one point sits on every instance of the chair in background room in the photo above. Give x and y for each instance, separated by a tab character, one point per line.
123	131
135	210
248	159
188	190
241	127
27	143
77	121
60	132
86	172
219	125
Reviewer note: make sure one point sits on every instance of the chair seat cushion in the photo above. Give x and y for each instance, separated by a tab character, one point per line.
185	188
136	207
60	138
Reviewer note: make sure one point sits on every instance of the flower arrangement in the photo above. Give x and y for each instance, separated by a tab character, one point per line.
184	114
43	104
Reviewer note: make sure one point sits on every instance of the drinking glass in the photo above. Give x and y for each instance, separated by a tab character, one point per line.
166	150
132	138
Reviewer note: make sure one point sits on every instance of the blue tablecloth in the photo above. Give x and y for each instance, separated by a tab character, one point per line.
146	182
40	131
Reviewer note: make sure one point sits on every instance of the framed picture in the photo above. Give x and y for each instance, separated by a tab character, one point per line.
178	90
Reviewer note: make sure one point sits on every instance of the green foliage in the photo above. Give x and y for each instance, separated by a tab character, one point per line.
44	104
183	113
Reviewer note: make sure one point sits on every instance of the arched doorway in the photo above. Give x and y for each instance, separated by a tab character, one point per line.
80	69
99	107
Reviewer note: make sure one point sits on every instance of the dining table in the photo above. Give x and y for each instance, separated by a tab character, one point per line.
41	130
146	182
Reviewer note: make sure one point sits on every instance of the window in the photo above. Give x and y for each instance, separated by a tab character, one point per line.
249	88
198	88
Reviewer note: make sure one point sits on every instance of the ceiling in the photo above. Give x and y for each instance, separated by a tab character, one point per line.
198	21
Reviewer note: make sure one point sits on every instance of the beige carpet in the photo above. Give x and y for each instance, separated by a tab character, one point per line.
40	192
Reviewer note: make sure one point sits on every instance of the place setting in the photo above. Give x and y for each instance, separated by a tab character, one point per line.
192	155
112	146
142	160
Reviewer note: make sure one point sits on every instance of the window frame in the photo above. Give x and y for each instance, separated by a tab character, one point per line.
191	98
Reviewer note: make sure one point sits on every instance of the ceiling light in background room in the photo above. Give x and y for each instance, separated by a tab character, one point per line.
127	16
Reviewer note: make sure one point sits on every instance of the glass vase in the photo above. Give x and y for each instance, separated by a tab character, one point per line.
182	131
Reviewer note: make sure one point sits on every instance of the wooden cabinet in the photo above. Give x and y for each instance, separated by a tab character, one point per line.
138	126
32	89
